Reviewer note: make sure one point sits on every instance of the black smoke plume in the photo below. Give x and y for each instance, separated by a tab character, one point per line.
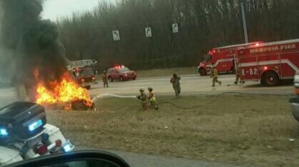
34	42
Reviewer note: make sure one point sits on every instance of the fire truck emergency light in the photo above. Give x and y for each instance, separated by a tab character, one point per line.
120	66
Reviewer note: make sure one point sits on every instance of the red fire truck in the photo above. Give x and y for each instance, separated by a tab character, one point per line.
269	63
83	72
222	57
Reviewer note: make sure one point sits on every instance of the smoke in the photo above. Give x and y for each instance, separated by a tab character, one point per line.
34	42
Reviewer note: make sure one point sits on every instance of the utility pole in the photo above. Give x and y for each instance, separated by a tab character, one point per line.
244	22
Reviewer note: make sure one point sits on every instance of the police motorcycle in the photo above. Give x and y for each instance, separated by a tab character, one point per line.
25	133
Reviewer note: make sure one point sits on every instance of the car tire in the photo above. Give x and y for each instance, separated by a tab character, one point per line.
121	79
110	79
270	78
134	78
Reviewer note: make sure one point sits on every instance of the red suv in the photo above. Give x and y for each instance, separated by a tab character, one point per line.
120	73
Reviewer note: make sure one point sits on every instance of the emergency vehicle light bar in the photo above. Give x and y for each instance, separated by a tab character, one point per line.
120	66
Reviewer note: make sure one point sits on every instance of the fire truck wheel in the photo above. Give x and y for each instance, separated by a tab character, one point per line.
110	79
270	78
202	72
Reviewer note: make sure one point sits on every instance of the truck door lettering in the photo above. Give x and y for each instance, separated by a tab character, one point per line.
250	71
255	71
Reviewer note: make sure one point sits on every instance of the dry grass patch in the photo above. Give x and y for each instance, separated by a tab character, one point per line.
233	128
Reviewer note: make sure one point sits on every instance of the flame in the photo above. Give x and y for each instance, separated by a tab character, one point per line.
62	92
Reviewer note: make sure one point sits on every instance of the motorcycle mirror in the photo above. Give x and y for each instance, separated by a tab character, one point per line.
92	158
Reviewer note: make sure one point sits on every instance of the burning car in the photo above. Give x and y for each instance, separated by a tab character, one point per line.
66	93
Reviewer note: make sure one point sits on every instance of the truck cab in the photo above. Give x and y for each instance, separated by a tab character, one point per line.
224	58
85	77
82	72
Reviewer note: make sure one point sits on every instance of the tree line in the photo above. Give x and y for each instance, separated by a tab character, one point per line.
203	24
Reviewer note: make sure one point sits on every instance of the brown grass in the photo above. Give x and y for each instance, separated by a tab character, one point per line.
252	130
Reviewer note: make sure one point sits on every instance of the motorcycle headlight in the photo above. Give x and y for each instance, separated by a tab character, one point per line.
3	132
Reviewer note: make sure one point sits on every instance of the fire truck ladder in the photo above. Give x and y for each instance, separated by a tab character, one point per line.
81	63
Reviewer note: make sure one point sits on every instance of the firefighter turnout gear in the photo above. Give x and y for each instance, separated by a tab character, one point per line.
237	76
214	75
143	98
105	79
175	80
152	99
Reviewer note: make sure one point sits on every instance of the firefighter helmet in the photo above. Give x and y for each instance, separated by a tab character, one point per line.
150	89
141	90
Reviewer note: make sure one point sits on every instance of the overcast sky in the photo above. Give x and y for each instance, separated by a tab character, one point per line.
59	8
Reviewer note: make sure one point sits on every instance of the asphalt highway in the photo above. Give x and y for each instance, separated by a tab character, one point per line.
190	85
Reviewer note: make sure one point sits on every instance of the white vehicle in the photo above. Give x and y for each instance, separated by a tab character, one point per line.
25	134
295	100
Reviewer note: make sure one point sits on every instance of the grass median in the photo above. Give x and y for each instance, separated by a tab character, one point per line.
238	129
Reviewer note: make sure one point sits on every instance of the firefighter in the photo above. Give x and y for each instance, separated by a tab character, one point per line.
105	79
214	75
237	74
143	99
152	99
175	80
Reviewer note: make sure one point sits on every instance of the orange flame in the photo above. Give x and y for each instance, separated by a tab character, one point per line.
65	91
